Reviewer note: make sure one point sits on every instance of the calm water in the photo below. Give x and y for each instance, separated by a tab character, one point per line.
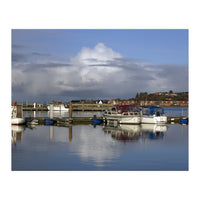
88	147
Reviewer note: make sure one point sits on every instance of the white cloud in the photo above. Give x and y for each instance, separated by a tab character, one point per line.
100	55
91	144
95	72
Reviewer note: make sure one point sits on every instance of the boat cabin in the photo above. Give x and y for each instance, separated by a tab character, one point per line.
125	109
152	110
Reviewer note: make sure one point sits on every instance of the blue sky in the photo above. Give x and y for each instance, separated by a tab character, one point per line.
46	60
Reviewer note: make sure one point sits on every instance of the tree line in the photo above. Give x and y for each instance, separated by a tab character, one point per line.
162	96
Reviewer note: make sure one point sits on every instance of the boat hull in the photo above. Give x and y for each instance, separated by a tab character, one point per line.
121	119
125	114
153	119
17	121
96	121
49	122
184	121
130	120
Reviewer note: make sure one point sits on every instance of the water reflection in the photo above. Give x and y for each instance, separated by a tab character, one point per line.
135	132
64	134
83	147
61	134
121	132
93	146
16	133
124	132
59	114
153	131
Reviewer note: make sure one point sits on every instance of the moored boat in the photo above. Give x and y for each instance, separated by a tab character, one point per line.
96	121
16	115
153	115
49	122
184	120
124	114
17	121
58	107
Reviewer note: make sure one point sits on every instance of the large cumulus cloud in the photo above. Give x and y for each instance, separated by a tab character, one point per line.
97	72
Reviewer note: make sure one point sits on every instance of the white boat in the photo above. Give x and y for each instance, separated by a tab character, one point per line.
17	121
58	107
153	115
125	114
16	115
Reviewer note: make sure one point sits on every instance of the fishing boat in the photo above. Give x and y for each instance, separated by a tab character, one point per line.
153	115
58	107
16	115
124	114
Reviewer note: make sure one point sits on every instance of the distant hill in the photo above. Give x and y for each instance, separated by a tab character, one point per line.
162	96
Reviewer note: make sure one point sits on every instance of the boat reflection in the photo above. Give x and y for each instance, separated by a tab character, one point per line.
56	113
120	132
123	132
127	133
16	133
153	131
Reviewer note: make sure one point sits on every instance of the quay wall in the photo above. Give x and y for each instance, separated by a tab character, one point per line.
86	121
75	107
93	107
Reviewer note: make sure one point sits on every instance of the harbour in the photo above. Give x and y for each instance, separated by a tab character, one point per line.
97	104
174	115
91	146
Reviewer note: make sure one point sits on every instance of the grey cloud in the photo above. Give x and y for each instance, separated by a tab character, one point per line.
123	84
17	57
31	66
176	76
128	64
40	54
20	57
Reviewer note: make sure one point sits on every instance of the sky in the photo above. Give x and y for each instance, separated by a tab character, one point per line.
68	64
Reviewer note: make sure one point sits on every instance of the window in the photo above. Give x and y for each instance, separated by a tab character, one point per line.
145	111
158	112
134	109
113	109
126	109
119	109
